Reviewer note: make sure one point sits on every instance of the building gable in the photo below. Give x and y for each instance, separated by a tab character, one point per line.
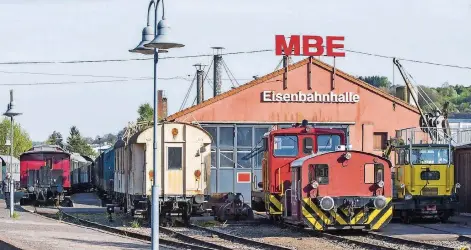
234	104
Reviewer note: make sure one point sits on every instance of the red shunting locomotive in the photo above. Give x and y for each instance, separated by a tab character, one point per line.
322	184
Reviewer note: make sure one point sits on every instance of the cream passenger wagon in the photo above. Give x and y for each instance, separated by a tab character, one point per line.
183	162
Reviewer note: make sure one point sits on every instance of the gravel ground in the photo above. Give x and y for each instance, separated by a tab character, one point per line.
378	242
447	243
262	233
283	237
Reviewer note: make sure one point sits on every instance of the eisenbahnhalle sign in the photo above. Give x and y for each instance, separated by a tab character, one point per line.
314	97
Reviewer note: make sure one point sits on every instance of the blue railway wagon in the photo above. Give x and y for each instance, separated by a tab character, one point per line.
97	173
86	173
108	169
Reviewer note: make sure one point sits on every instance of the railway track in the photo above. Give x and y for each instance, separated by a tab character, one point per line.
164	242
372	240
464	239
198	237
237	239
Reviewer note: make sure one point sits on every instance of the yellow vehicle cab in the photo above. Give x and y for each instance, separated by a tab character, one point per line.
424	182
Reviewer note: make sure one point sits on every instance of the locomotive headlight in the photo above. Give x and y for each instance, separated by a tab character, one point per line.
327	203
347	156
408	197
199	198
314	184
458	185
379	202
380	184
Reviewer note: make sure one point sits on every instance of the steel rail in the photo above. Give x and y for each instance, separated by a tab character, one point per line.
377	236
461	238
197	244
241	240
406	242
86	223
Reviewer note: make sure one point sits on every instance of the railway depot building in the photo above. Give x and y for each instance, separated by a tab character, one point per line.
308	89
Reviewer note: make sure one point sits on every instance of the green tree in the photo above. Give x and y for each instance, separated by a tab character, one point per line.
55	139
146	112
458	96
377	81
77	144
21	140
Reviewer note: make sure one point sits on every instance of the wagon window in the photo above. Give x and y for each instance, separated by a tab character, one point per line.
307	145
174	158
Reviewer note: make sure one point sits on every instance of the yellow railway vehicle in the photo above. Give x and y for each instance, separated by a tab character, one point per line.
424	182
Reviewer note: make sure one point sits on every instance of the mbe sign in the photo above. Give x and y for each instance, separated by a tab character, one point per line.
310	45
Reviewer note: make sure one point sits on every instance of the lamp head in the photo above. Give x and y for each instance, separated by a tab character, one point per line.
147	36
11	111
163	39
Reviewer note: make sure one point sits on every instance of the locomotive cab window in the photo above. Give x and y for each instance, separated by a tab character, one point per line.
374	173
327	143
308	145
319	173
429	156
285	145
174	158
401	156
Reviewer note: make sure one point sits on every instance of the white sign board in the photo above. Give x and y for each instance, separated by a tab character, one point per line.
314	97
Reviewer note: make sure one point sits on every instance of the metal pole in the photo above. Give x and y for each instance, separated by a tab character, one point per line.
155	189
12	188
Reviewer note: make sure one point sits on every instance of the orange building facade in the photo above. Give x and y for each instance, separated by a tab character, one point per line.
308	89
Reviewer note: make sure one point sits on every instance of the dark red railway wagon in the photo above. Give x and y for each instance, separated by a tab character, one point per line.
45	173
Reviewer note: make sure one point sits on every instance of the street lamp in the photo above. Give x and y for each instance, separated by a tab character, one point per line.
11	112
160	44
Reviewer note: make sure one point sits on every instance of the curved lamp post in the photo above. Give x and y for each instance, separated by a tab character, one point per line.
160	43
11	112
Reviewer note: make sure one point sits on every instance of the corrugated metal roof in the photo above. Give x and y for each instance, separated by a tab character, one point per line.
6	159
78	157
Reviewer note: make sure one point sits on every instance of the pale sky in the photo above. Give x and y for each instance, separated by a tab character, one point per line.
57	30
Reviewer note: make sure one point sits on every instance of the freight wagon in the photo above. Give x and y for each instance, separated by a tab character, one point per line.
80	173
5	163
45	175
183	160
104	173
462	160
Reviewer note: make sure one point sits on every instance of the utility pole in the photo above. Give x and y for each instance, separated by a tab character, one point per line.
217	71
11	112
199	83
